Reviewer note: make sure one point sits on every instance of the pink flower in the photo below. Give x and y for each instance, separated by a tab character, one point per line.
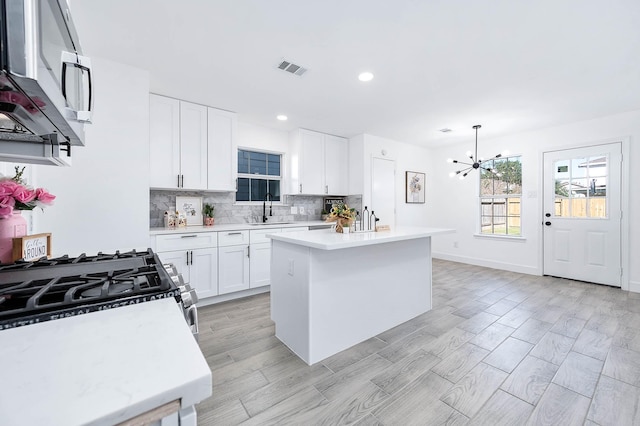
6	205
7	187
43	196
24	195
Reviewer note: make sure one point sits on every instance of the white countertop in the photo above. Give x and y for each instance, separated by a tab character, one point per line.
234	227
100	368
331	240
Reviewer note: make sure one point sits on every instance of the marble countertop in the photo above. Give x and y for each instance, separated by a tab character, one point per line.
331	240
234	227
100	368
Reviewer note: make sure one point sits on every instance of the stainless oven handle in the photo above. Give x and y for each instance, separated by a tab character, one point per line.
192	315
73	60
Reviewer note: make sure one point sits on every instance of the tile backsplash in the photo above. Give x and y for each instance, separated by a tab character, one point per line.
227	212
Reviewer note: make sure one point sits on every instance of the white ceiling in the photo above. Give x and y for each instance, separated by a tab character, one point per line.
510	65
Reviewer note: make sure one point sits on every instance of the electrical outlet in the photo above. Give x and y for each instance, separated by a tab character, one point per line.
301	209
294	210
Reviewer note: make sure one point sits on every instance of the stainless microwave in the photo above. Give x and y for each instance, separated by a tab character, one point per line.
45	82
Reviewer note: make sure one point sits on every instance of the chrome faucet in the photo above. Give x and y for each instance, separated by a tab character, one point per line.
264	206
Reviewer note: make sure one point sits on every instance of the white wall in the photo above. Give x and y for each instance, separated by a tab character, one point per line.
264	138
407	158
457	200
102	200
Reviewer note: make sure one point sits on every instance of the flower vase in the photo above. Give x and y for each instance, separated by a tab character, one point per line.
341	224
11	227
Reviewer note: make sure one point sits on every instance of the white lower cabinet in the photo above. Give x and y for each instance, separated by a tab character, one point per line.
260	264
196	258
260	255
233	261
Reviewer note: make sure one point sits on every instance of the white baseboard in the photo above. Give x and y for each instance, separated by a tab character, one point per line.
530	270
232	296
634	286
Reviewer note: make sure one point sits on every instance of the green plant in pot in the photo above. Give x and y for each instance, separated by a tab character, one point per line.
207	212
324	214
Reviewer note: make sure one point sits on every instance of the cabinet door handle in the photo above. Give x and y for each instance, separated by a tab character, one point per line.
182	186
301	188
187	258
248	251
178	181
191	262
188	236
326	189
234	233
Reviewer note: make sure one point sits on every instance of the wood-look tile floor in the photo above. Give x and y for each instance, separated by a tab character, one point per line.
498	348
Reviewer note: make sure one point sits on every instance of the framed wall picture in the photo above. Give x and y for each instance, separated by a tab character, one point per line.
191	207
415	182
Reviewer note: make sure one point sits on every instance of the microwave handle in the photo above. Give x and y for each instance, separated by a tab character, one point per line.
73	60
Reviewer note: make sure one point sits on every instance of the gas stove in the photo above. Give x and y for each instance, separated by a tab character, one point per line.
49	289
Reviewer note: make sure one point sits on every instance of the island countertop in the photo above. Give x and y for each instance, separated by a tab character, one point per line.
100	368
331	240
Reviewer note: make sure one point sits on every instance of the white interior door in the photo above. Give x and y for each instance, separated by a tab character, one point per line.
582	213
383	190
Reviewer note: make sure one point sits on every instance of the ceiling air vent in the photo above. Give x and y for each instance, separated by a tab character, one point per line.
292	68
445	130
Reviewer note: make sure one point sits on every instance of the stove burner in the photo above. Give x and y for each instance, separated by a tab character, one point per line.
56	288
111	289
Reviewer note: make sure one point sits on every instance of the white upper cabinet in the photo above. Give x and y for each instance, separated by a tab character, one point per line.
318	163
191	146
164	137
336	159
222	159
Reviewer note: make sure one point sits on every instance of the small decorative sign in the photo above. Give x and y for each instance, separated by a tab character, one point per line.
32	247
329	202
191	209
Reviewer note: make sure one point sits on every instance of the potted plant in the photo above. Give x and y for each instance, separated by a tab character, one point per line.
324	214
207	212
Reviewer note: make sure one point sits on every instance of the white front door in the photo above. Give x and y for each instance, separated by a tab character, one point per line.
582	213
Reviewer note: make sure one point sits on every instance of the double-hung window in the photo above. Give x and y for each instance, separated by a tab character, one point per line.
259	174
500	197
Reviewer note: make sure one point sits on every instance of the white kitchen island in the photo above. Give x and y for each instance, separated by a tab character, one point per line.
330	291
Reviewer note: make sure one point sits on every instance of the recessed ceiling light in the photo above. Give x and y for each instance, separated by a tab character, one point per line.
282	117
445	130
365	76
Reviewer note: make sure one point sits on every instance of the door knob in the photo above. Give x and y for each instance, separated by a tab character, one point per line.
548	223
547	214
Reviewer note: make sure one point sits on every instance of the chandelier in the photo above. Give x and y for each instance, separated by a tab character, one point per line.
476	162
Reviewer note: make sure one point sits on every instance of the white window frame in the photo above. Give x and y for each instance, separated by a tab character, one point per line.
264	177
481	197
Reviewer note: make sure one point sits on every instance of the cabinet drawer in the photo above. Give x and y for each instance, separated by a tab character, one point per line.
186	241
233	238
256	237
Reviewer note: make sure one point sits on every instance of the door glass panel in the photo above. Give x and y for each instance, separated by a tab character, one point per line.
579	207
581	187
562	187
562	207
579	167
562	169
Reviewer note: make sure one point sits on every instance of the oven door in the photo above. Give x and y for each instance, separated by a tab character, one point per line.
43	62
